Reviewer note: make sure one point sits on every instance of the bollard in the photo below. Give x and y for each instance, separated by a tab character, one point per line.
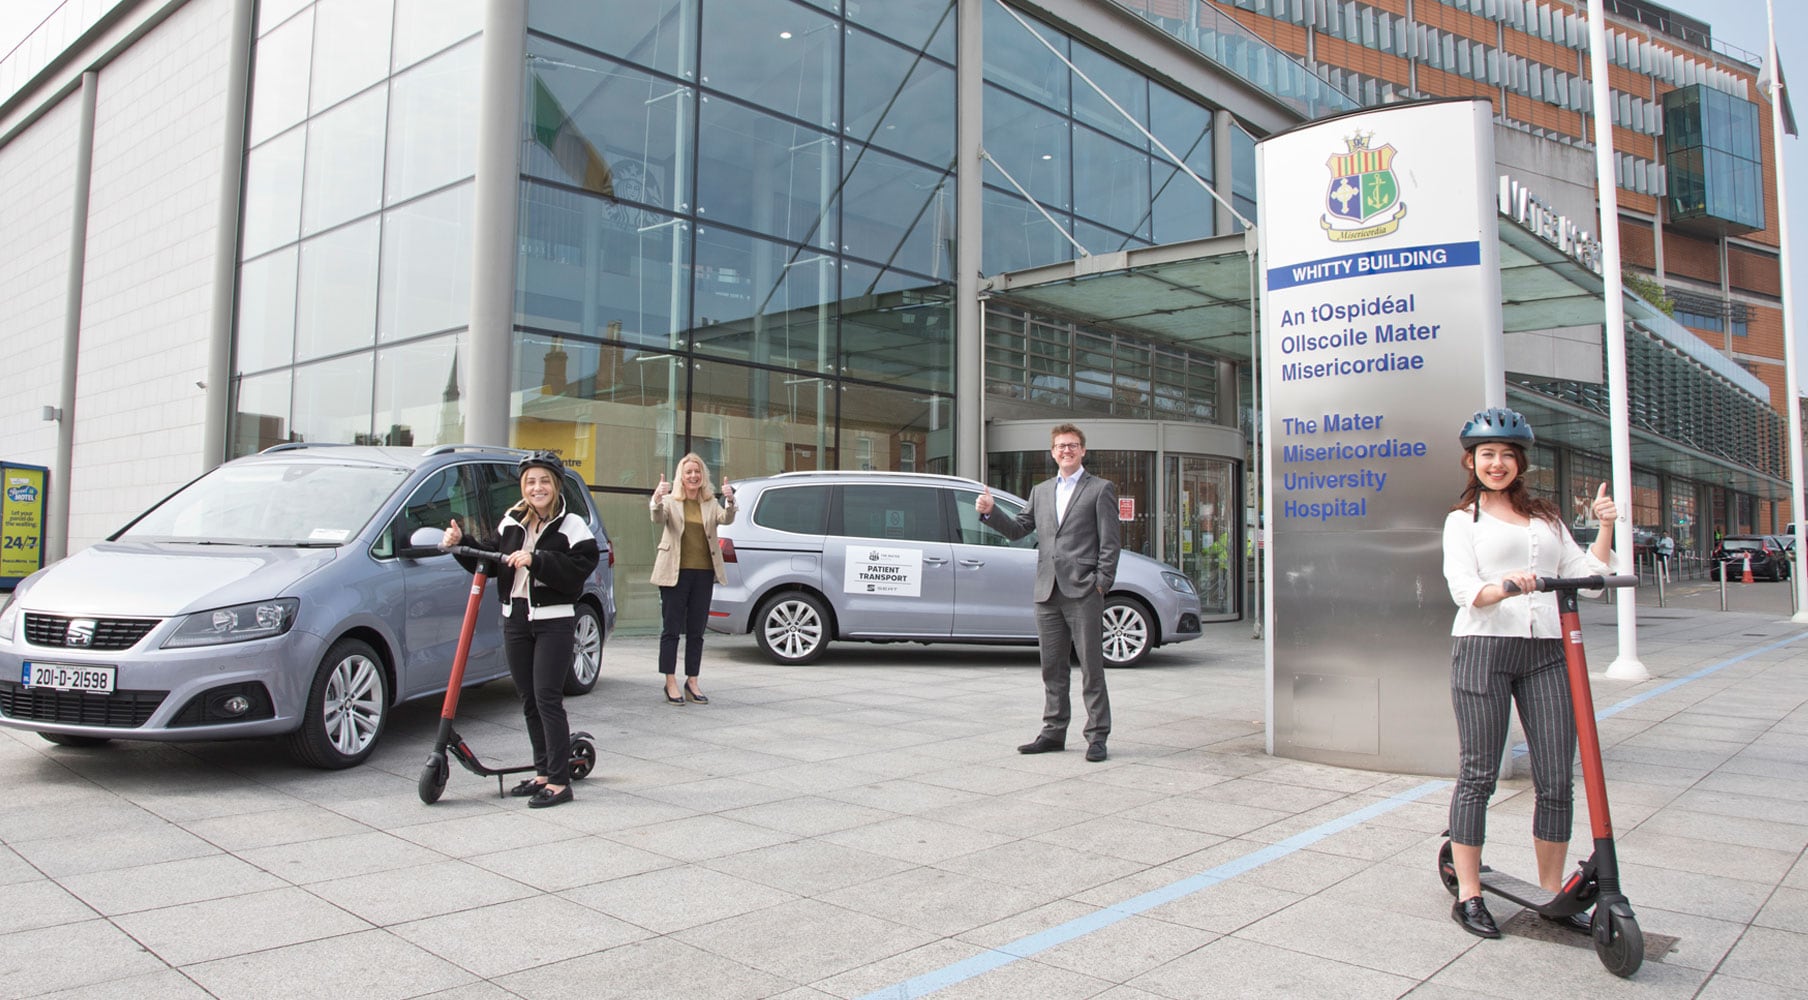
1723	586
1660	585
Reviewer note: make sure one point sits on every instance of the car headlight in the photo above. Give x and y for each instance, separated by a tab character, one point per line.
1177	582
240	623
9	619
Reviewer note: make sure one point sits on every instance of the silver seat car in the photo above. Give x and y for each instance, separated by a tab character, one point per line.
890	557
277	595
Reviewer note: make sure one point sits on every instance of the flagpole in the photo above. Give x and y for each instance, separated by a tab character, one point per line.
1627	666
1791	388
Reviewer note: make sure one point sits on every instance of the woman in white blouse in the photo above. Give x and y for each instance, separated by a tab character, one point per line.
1507	648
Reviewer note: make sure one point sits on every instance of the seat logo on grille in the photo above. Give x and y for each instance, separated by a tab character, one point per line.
81	632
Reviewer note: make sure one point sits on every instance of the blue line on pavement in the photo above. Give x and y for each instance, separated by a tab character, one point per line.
986	961
1668	686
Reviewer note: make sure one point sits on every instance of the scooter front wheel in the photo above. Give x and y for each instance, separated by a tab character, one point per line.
1620	945
583	756
433	778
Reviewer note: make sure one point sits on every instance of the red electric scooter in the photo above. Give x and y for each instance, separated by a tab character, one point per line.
435	771
1596	881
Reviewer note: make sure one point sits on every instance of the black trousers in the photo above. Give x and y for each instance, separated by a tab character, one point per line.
684	606
539	658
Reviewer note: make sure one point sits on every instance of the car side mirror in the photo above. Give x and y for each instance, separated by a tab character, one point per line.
423	544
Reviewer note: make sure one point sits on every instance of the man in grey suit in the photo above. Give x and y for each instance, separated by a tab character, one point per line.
1074	516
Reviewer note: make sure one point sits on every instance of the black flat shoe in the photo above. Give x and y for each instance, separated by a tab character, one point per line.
697	697
674	699
1581	923
546	797
526	788
1095	751
1041	744
1472	915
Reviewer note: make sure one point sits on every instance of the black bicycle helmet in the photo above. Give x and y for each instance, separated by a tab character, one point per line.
1497	423
540	460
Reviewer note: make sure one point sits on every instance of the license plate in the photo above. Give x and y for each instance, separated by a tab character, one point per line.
68	677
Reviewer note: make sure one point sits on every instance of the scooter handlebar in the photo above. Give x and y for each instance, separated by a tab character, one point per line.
1547	584
473	552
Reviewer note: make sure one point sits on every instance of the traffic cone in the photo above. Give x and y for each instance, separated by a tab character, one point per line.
1746	577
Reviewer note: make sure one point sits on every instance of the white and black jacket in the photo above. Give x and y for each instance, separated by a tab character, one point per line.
564	557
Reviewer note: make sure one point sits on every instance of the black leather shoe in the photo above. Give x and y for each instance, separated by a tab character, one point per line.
692	694
1042	744
1095	751
1581	923
1473	916
674	699
546	797
526	788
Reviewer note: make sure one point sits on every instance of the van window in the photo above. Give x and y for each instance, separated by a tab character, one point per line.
912	514
803	510
445	495
973	531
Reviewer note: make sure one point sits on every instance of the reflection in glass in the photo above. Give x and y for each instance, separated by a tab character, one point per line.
1124	85
279	87
766	422
1032	144
657	34
764	302
924	25
597	268
345	163
266	317
423	27
426	266
351	48
1017	236
336	295
332	401
765	174
1200	528
614	413
260	413
1015	59
272	212
603	127
433	124
1183	210
421	392
899	100
1111	183
1243	173
896	328
897	431
773	53
898	213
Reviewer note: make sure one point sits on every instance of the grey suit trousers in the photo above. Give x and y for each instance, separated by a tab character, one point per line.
1077	624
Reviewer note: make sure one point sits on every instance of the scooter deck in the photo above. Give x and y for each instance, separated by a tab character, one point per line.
1533	896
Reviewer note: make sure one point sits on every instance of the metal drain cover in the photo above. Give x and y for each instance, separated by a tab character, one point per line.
1527	924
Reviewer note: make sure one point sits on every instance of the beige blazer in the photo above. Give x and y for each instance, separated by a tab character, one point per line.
669	515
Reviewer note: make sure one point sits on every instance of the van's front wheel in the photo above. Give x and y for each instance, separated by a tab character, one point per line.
792	627
348	703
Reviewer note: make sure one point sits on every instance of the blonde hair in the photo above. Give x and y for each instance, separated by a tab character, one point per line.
707	491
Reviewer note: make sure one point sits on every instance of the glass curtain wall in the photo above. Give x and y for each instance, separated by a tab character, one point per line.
354	275
737	238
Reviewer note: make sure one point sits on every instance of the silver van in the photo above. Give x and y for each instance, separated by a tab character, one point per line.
277	595
903	557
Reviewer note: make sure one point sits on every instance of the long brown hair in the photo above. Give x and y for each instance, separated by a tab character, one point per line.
1518	497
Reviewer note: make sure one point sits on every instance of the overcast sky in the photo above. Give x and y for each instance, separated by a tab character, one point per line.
1739	23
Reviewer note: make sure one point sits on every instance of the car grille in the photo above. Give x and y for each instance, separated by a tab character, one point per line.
109	633
119	710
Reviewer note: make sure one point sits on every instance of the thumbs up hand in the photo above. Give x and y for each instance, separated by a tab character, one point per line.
727	493
660	491
1604	507
983	503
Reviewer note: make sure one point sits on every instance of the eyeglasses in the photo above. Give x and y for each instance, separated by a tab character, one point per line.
1068	446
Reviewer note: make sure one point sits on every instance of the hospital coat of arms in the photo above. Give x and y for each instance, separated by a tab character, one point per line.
1363	199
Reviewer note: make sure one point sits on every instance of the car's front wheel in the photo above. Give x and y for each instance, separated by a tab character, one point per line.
586	651
792	627
348	703
1129	631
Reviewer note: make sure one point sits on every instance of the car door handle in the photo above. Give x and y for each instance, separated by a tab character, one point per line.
973	562
935	560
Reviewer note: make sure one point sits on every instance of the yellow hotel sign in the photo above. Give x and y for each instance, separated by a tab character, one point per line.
21	521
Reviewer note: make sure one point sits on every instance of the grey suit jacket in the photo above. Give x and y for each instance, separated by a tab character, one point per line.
1077	553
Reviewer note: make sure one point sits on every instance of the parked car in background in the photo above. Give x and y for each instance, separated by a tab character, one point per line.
903	557
1769	557
277	595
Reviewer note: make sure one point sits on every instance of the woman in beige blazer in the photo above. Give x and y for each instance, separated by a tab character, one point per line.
687	568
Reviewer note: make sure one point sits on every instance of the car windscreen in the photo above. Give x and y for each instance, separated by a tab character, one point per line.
270	503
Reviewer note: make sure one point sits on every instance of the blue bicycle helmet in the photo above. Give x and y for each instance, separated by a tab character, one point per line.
1497	423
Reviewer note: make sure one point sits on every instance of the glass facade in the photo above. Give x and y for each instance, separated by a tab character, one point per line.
1716	165
354	276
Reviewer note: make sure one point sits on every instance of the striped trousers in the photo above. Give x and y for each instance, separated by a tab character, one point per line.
1486	672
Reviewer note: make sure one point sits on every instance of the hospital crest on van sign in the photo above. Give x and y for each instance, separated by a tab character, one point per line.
1363	199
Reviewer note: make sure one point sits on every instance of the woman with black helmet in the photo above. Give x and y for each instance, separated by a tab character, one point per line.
1507	648
547	553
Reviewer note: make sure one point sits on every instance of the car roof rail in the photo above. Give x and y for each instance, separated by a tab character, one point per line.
297	445
494	449
801	473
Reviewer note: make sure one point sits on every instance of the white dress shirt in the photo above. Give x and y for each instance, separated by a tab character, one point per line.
1064	491
1477	553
